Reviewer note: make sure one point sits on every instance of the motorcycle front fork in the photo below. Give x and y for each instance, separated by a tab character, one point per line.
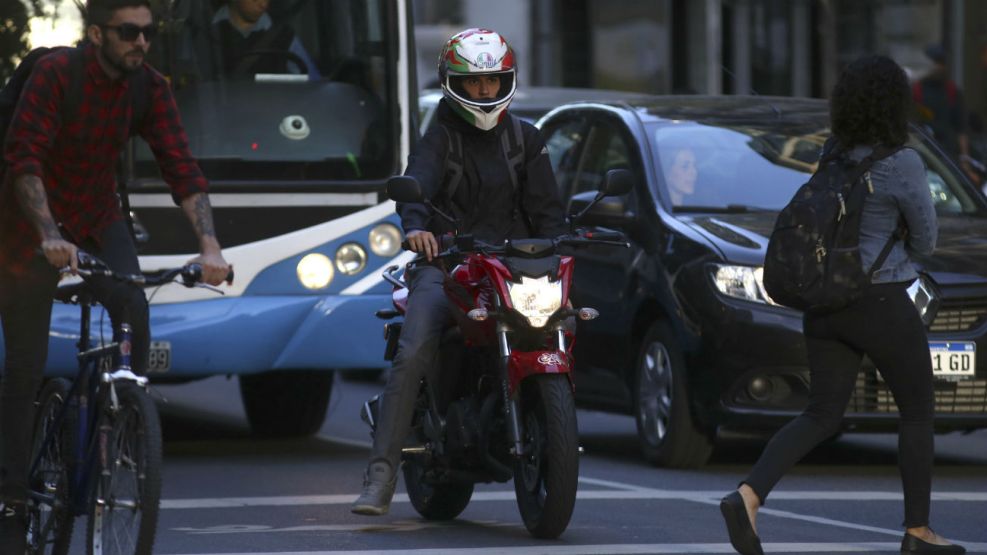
512	407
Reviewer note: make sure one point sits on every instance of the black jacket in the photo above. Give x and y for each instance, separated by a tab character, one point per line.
485	201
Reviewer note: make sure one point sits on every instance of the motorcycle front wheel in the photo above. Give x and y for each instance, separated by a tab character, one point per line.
434	502
546	477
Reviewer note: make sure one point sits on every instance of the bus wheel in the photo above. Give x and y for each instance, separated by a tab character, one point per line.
286	403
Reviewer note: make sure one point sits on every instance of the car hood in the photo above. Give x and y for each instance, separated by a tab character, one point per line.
960	255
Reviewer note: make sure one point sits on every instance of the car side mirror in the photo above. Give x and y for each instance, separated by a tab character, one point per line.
404	188
617	182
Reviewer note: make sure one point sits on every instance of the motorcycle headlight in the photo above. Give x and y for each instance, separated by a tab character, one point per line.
741	282
536	299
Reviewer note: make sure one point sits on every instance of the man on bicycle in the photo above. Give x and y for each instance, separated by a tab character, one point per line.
472	166
59	192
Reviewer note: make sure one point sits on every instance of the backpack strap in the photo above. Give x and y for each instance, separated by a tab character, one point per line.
139	90
917	92
512	143
454	163
140	100
898	234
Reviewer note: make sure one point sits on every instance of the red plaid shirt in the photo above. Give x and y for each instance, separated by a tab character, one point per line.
77	159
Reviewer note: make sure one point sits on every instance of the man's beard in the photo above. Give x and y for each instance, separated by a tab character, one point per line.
120	64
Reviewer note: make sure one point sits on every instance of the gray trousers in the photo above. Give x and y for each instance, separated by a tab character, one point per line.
429	314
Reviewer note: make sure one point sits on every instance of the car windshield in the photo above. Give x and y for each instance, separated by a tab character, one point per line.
741	168
305	90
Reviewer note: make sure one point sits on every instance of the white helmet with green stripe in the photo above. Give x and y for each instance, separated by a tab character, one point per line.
474	53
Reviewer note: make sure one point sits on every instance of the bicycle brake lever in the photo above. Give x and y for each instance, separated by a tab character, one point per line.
211	288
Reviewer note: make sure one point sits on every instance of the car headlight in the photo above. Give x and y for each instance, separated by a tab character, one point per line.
536	299
385	240
351	259
315	271
741	282
923	294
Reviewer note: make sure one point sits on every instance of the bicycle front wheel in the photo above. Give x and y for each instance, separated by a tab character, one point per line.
123	517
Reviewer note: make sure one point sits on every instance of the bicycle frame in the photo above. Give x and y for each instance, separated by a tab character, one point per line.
84	390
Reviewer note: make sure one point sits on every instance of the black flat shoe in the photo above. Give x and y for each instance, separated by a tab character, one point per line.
912	545
742	536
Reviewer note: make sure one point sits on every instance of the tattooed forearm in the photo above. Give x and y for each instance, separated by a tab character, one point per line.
199	212
33	200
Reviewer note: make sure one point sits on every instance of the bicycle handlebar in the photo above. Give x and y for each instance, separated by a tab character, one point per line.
190	274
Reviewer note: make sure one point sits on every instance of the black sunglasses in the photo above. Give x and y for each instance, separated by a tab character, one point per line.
129	31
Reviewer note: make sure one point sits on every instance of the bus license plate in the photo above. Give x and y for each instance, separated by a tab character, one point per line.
159	360
953	359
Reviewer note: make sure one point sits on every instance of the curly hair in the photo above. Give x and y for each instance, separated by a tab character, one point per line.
870	103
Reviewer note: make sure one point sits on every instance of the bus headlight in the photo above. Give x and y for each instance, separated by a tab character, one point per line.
385	240
315	271
351	259
536	299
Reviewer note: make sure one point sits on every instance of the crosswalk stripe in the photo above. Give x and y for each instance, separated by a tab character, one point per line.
625	549
584	494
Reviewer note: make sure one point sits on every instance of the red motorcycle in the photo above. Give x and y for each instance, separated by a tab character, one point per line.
499	404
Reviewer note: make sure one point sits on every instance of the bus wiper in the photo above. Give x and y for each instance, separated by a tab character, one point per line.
728	209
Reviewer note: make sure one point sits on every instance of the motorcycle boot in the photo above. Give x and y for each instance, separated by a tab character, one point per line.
13	529
379	482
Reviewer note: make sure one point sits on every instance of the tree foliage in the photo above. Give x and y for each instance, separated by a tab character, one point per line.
14	17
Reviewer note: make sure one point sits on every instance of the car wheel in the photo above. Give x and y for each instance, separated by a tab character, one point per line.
667	433
286	403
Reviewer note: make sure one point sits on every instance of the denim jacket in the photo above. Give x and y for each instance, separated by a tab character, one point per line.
901	191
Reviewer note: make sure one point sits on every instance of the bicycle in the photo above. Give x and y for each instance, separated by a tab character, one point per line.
97	439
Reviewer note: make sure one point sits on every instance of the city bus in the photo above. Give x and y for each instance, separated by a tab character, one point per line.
297	150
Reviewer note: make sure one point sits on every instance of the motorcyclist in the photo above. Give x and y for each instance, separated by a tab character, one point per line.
490	198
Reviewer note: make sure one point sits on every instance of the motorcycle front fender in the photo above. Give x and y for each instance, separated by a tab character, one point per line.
521	365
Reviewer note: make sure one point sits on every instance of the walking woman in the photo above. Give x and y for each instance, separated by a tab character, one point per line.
868	109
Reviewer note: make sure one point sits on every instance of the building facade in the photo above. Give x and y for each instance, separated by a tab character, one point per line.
767	47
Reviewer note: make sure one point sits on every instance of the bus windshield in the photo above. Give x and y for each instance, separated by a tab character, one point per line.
302	91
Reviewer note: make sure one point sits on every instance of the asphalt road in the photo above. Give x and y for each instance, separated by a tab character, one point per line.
226	492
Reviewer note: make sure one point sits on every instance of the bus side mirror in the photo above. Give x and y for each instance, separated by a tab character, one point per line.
404	188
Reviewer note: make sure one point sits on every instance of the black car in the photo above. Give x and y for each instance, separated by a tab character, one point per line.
687	339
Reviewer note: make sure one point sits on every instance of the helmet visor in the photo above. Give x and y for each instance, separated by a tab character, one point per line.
482	90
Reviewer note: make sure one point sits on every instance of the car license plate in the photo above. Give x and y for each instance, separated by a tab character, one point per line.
159	360
953	359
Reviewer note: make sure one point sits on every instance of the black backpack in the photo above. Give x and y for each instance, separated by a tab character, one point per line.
11	93
512	146
813	260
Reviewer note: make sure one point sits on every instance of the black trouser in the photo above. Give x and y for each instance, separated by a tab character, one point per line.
429	314
25	315
885	326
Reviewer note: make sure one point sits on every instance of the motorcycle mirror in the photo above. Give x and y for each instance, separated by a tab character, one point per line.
617	182
404	188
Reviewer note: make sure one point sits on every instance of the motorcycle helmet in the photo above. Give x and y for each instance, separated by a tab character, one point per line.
471	53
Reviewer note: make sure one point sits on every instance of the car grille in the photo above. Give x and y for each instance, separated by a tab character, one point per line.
872	395
959	318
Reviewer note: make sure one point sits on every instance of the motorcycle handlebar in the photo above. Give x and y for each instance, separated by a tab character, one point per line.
449	246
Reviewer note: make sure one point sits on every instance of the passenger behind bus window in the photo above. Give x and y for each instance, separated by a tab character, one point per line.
251	43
